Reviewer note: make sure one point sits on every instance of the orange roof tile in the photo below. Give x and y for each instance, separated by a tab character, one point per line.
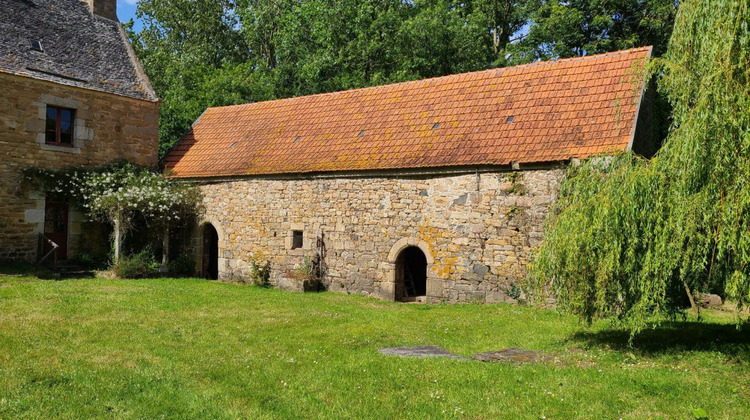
560	109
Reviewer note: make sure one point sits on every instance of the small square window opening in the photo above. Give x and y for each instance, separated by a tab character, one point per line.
59	126
36	45
296	239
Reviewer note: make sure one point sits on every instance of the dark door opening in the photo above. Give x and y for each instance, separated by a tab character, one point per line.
56	226
411	274
210	266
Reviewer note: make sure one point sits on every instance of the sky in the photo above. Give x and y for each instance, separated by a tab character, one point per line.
126	11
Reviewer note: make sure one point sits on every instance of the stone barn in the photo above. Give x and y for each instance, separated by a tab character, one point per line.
431	190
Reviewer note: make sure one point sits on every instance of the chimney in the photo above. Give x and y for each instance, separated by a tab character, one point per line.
103	8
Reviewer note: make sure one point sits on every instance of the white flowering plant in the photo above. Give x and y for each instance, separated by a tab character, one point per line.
117	192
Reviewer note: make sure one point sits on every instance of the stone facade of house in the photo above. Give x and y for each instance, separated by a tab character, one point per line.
476	230
107	127
89	71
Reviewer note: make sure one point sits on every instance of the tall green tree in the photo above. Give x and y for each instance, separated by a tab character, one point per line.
504	18
445	37
631	236
561	29
324	45
195	57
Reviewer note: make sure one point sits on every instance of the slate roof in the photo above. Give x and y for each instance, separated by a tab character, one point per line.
79	48
534	113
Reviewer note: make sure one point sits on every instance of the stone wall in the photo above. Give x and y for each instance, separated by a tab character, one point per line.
477	230
107	128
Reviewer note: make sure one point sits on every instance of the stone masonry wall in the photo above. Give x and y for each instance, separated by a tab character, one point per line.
107	128
476	230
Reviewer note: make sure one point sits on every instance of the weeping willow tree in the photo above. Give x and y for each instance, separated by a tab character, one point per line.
630	236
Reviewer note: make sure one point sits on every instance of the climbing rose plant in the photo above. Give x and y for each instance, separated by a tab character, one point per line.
629	236
115	193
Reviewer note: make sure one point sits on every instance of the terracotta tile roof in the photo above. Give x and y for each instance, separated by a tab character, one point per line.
540	112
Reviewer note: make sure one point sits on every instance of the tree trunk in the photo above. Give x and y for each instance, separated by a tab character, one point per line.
118	237
165	250
693	306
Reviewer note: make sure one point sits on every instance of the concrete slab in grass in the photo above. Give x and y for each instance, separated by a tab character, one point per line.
420	351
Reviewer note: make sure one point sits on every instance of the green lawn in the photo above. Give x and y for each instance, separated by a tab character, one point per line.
177	348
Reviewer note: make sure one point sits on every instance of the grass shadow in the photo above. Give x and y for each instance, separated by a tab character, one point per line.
674	337
24	269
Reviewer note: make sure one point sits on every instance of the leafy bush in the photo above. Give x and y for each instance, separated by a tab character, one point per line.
302	271
88	261
514	292
140	265
307	273
184	265
260	273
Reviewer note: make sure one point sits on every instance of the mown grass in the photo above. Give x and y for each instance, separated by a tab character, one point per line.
189	348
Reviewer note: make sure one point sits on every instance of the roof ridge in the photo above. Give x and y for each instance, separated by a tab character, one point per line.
136	63
447	76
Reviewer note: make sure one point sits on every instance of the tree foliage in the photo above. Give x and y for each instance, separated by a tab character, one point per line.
201	53
195	58
630	235
560	29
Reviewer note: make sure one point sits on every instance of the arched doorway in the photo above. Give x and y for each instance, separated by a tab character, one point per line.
411	275
210	264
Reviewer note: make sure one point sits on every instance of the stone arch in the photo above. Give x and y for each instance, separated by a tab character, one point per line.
391	267
404	243
209	259
213	222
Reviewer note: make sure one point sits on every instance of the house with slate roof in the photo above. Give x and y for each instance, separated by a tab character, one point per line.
431	190
73	94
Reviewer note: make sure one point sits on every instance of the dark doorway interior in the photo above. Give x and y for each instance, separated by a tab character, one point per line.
56	226
210	266
411	274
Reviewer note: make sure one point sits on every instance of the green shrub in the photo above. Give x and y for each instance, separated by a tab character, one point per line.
142	264
513	292
309	274
87	261
184	265
260	273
